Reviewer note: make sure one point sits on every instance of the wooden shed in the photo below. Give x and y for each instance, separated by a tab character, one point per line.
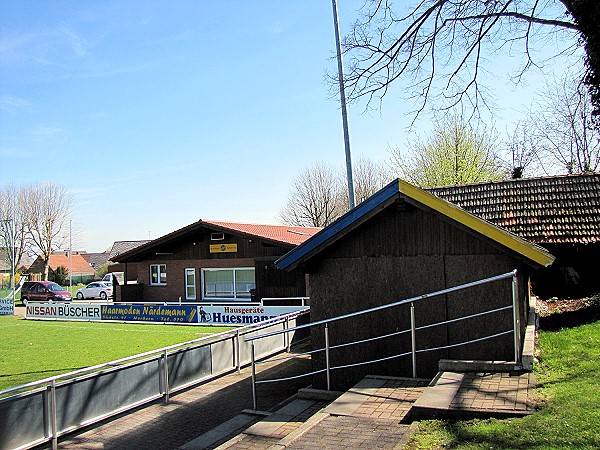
400	243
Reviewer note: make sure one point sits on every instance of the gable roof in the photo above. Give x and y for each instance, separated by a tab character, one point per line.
119	247
77	263
558	210
283	235
401	189
96	259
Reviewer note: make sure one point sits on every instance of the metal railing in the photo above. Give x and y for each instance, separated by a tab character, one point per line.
515	330
41	411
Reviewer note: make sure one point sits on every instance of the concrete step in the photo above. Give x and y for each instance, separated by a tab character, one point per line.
476	395
373	407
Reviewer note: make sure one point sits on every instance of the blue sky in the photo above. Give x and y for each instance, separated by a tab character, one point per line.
156	114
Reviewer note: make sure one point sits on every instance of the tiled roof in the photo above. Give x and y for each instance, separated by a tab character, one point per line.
401	190
96	259
124	246
280	233
78	264
547	210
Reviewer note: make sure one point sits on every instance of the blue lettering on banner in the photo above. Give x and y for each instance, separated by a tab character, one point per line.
237	319
6	307
150	313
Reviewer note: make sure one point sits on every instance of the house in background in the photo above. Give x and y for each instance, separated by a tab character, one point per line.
98	260
401	243
559	213
211	261
79	268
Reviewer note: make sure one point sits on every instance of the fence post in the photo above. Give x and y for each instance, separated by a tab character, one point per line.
516	318
253	378
288	341
165	366
53	413
327	363
238	357
413	339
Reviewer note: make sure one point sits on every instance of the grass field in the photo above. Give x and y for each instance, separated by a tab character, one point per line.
32	350
568	376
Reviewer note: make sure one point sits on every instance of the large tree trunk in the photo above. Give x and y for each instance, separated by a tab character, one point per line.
586	14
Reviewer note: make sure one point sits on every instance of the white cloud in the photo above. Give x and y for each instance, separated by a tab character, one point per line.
11	152
46	131
12	104
77	43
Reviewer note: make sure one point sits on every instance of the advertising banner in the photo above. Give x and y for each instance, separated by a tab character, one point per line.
150	313
225	315
6	307
232	315
71	311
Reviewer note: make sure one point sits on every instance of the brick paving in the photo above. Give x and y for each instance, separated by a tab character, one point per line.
190	413
367	416
370	415
496	392
350	432
392	400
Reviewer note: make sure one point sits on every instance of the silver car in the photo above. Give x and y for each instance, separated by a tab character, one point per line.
97	289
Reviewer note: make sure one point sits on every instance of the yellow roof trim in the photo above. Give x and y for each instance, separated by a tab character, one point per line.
499	235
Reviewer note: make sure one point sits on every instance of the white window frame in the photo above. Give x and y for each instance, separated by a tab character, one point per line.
233	269
162	268
191	271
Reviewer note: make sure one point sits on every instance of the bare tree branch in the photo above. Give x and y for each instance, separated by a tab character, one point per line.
437	46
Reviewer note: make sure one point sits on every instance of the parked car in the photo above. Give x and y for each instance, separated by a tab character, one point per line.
43	291
97	289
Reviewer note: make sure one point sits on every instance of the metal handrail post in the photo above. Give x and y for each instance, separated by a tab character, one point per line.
53	413
238	356
253	377
413	339
516	318
288	341
327	363
166	376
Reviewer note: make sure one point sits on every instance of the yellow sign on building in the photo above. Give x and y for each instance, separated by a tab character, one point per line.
223	248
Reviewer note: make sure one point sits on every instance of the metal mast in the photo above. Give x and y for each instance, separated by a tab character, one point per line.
338	46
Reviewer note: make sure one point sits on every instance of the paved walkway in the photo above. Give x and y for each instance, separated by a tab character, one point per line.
478	394
375	414
367	416
192	413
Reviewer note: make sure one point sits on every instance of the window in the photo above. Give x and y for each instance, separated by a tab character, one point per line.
228	284
190	284
158	274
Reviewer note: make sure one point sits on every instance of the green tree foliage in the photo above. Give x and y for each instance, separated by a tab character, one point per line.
60	275
454	154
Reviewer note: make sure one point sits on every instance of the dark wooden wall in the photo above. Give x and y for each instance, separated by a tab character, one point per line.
398	254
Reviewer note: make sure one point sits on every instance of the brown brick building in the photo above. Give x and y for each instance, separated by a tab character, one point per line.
211	261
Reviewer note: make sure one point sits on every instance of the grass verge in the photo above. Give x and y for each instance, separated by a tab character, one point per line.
569	415
31	350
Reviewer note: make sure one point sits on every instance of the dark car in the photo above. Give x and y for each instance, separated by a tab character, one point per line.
43	291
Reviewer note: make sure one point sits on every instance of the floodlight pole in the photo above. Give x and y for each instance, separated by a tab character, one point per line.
70	256
12	256
338	46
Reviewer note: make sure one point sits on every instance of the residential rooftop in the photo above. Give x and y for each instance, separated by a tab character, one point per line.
545	210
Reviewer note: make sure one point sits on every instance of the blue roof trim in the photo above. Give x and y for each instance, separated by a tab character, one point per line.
330	231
